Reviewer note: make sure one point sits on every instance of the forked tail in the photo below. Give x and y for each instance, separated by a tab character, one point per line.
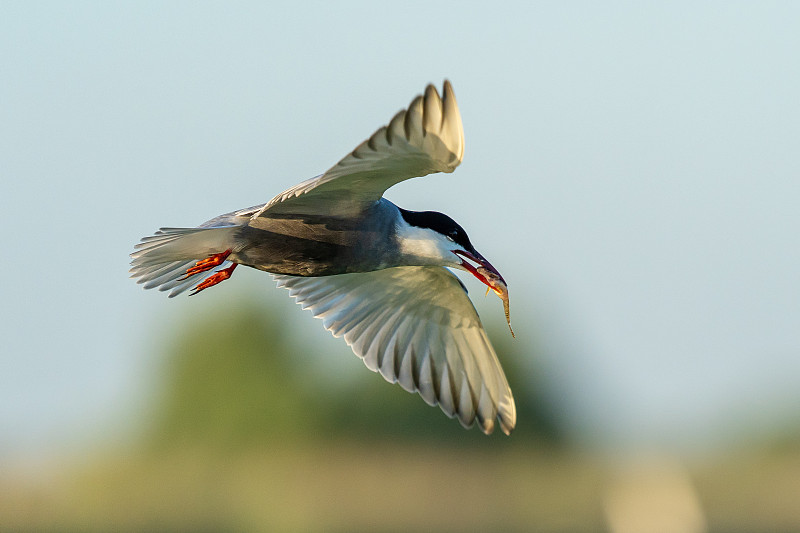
175	259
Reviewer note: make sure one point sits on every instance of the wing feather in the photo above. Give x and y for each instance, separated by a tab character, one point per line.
426	137
429	341
447	399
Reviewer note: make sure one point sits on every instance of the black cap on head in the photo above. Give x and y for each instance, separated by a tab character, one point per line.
440	223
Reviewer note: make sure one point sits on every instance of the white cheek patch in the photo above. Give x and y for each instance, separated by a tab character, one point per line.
425	244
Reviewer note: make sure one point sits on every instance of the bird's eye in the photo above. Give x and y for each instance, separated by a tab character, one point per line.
450	238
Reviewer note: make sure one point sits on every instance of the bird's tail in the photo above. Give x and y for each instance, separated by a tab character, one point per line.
164	259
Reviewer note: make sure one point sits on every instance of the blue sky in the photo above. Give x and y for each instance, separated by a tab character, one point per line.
631	168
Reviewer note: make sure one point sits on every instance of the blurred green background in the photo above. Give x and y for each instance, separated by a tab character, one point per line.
246	430
631	169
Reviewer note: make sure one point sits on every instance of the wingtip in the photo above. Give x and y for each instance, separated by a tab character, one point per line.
447	88
507	416
431	92
452	119
488	426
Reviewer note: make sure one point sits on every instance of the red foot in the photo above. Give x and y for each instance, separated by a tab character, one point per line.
213	279
207	264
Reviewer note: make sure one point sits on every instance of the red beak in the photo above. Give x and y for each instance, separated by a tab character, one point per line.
475	257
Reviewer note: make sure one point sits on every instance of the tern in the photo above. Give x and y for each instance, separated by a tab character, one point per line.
376	274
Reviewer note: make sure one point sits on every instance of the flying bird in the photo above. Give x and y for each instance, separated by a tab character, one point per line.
375	273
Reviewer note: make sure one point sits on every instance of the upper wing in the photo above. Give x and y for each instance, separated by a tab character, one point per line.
425	138
417	327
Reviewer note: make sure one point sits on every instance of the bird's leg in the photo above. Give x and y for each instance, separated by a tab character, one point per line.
213	279
207	264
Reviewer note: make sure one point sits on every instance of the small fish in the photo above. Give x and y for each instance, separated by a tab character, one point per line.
496	284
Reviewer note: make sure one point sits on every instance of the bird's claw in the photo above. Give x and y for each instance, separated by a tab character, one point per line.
207	264
213	279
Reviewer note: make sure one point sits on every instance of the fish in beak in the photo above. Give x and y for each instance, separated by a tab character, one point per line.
489	276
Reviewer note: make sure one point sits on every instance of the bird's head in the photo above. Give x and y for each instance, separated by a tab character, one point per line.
432	238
